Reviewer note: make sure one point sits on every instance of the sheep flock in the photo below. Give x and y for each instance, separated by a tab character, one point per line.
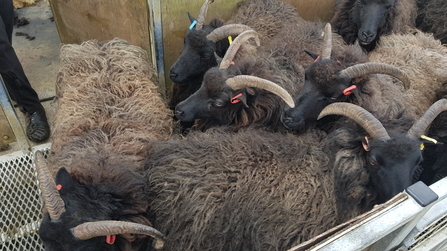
295	127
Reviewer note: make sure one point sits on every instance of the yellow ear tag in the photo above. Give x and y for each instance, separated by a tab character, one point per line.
422	147
429	139
230	39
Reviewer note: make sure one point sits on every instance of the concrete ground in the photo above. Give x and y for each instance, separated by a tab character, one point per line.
40	61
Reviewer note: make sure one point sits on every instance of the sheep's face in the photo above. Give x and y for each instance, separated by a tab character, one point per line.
322	87
370	17
197	57
392	164
82	204
212	101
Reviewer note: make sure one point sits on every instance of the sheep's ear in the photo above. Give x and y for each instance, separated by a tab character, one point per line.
191	18
64	182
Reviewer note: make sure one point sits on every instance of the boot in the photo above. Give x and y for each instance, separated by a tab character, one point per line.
37	127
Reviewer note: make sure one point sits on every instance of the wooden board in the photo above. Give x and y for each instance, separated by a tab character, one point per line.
314	10
81	20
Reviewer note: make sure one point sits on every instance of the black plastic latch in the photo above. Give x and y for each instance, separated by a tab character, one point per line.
421	193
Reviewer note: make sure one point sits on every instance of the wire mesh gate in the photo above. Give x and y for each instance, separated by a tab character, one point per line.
21	206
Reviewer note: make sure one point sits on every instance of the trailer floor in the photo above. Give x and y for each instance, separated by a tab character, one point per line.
40	61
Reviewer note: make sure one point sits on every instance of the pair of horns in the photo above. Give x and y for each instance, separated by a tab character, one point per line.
363	69
373	126
243	81
56	207
202	14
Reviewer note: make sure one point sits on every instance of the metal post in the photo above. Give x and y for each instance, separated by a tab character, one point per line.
155	7
13	119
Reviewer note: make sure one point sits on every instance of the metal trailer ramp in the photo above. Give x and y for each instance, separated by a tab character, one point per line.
20	207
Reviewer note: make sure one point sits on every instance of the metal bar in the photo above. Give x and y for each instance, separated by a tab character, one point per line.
371	230
155	6
12	118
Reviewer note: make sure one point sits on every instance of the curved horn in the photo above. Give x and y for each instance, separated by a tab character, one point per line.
202	14
361	116
424	122
50	196
234	47
227	30
376	68
327	49
90	230
242	81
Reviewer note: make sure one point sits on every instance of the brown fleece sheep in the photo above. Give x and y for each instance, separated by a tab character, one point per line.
108	111
109	87
250	190
266	17
423	58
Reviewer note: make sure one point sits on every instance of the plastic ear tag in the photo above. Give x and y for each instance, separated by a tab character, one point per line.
317	58
110	239
59	187
429	139
422	146
235	99
230	39
366	144
193	24
348	91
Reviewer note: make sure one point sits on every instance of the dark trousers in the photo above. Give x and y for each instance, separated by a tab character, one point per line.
11	70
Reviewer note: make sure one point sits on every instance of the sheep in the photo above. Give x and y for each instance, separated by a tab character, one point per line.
229	97
200	46
431	18
250	190
341	75
401	55
372	169
368	20
245	190
109	110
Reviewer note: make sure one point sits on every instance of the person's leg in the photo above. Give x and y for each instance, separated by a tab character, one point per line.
16	81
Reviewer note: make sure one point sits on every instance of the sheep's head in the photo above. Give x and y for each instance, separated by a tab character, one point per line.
222	97
328	81
203	45
390	161
79	217
370	18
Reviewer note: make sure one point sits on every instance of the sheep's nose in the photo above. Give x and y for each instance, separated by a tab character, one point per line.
367	34
287	120
173	74
179	114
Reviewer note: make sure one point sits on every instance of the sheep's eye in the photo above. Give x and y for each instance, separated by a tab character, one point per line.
333	98
218	103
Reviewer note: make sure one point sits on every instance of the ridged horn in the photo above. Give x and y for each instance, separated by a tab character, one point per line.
243	81
90	230
202	14
50	196
424	122
361	116
376	68
327	44
234	47
227	30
